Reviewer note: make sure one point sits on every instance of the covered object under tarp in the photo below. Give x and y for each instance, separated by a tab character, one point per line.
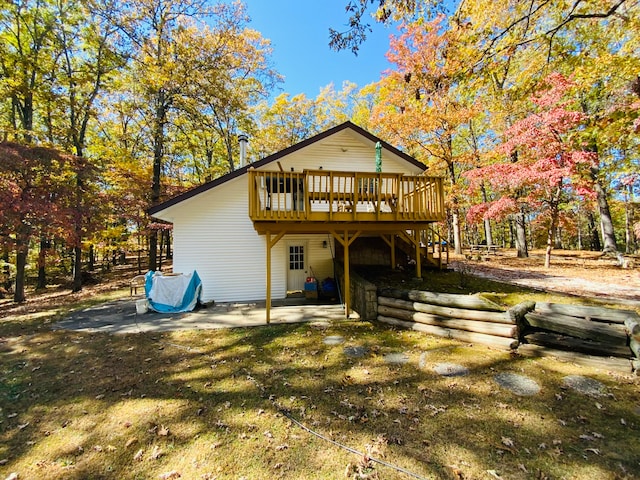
172	293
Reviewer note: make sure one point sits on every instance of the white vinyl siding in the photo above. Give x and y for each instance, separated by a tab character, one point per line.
214	235
344	151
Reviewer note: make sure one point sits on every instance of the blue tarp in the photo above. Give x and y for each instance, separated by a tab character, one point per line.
172	293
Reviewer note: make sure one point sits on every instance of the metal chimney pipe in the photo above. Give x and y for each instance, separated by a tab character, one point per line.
243	139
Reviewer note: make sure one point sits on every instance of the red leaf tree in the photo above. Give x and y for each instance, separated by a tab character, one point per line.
542	164
38	199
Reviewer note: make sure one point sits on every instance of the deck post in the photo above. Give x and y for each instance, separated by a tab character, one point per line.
268	300
347	282
346	242
270	244
416	234
393	250
391	242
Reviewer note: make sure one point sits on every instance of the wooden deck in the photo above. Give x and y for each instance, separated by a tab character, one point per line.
320	197
345	205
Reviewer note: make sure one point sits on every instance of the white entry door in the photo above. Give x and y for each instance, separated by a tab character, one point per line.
296	266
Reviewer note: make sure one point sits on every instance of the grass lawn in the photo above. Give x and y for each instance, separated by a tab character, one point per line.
225	404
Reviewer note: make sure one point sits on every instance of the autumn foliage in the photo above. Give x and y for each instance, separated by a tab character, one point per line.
538	157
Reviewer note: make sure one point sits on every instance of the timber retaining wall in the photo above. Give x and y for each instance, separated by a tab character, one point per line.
595	336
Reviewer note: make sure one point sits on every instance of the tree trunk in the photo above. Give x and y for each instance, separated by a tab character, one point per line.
457	238
158	153
161	232
579	227
596	246
606	223
42	256
5	270
558	238
630	244
169	251
77	248
77	269
487	222
21	262
512	236
92	258
554	225
521	235
153	250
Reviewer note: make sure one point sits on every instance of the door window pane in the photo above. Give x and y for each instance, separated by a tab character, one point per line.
296	257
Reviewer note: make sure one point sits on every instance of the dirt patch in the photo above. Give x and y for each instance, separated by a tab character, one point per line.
586	274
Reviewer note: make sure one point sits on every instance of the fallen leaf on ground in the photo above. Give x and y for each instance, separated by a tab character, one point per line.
169	475
508	442
156	452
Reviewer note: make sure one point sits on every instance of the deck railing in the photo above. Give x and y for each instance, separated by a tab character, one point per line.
335	196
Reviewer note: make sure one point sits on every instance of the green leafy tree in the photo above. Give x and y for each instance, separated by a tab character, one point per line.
26	55
178	64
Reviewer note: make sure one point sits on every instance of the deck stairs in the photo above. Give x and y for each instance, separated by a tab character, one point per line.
434	250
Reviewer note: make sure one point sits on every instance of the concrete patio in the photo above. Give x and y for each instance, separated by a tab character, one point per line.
121	317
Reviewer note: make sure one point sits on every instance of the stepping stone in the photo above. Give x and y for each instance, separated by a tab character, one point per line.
585	385
396	358
320	324
518	384
450	370
333	340
422	362
355	351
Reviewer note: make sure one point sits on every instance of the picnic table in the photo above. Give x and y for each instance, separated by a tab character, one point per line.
490	249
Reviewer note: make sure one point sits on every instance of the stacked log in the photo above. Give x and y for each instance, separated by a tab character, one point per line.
566	331
468	318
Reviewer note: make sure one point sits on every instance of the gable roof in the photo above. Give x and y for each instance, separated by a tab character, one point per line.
278	155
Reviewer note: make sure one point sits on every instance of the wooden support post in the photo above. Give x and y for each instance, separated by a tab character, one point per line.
270	244
415	241
391	241
347	280
346	241
416	234
393	250
268	299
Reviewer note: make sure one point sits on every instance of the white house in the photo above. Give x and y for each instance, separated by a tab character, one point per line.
260	231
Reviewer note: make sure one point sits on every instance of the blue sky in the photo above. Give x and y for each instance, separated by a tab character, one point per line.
299	33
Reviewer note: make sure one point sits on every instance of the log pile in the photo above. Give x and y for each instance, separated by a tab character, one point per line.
468	318
596	336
